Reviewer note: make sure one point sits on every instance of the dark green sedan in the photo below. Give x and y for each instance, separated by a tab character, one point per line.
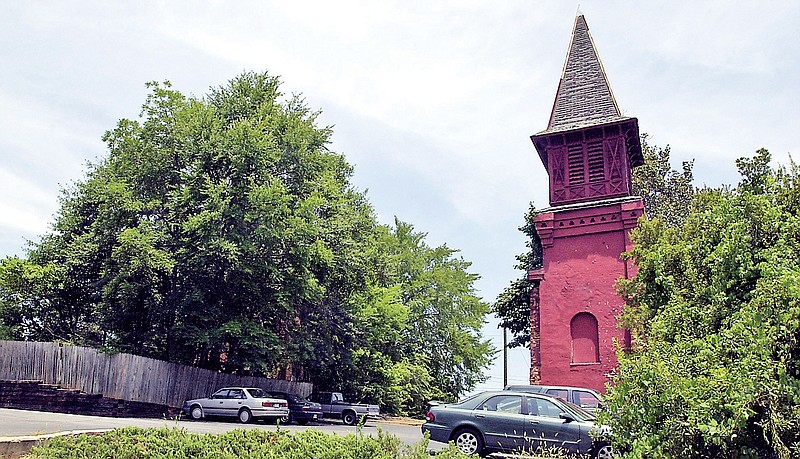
508	422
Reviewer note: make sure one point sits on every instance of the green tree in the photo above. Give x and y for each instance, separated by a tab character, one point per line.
445	315
715	312
667	193
512	306
222	232
420	325
26	305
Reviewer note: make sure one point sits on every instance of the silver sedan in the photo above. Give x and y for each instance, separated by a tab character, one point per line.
244	403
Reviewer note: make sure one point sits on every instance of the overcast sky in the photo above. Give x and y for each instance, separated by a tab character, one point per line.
433	102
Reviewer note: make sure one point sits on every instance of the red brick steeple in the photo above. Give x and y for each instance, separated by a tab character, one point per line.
589	150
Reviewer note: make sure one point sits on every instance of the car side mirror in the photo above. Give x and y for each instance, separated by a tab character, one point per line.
566	417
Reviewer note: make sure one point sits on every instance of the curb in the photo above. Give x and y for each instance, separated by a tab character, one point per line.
402	421
15	447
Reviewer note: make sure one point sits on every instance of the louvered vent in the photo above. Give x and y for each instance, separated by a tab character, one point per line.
597	172
575	164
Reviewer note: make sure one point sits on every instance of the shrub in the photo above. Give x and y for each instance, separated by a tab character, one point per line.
137	443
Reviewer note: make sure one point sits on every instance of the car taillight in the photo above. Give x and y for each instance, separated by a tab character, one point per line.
274	404
430	417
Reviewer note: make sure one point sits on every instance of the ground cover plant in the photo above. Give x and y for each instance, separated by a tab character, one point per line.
138	443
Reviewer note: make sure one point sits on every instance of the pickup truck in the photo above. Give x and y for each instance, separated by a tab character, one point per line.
334	406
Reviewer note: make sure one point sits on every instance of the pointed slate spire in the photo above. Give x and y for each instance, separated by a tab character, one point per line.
584	97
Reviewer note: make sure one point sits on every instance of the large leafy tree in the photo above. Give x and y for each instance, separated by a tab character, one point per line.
445	315
666	192
667	195
222	232
715	310
422	321
513	304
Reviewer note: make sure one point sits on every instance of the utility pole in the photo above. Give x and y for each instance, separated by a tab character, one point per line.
505	358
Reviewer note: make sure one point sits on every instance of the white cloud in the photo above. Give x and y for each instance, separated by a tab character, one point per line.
25	204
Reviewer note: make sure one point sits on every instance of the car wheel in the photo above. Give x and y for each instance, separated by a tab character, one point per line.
286	419
349	418
245	416
468	441
196	413
604	451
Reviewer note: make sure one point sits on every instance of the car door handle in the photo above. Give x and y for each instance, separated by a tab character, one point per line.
533	421
480	415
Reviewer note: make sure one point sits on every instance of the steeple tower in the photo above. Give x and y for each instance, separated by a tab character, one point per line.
588	150
588	147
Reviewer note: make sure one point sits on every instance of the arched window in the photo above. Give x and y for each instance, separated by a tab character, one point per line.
583	331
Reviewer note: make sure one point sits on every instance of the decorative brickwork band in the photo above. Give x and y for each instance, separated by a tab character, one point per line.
544	227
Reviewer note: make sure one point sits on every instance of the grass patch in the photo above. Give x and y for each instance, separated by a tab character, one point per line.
138	443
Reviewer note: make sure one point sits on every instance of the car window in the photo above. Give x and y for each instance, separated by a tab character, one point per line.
560	393
221	393
546	408
585	399
236	393
503	403
258	393
533	408
469	403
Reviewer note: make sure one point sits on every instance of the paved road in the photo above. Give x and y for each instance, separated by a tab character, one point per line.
15	423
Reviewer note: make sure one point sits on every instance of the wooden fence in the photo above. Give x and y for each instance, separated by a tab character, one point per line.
123	376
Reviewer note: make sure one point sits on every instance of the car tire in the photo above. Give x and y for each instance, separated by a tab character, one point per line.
349	418
468	441
603	451
245	416
196	412
286	419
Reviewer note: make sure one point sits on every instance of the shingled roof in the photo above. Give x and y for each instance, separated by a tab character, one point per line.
584	97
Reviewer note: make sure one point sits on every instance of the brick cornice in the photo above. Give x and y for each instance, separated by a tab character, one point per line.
592	218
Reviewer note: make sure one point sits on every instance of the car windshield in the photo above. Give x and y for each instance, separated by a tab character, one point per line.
577	412
258	393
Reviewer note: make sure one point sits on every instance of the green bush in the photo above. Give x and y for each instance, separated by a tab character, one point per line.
137	443
715	313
